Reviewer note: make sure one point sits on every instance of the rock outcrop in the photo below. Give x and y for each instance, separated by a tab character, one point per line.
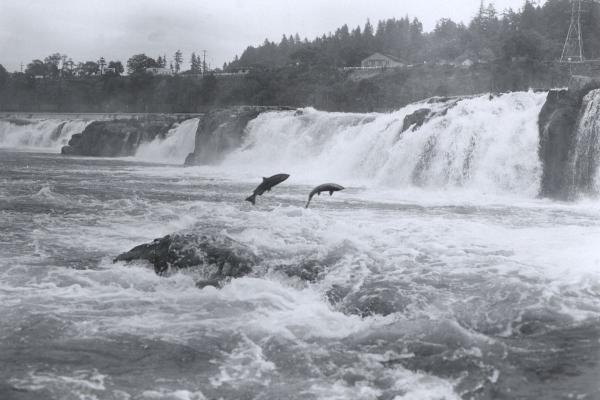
218	257
119	138
558	123
222	131
416	119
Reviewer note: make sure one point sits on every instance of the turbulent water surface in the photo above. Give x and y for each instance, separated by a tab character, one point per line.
437	273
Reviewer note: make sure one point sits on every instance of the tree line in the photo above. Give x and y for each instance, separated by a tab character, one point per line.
59	65
512	50
535	32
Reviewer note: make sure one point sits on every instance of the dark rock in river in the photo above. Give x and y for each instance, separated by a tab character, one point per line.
558	123
419	117
119	137
221	131
218	256
416	119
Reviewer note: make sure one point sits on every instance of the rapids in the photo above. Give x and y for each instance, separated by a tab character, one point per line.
438	273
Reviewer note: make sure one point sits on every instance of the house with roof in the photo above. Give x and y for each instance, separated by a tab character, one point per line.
378	60
159	71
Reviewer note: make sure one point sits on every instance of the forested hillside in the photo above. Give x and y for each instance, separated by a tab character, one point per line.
505	49
533	32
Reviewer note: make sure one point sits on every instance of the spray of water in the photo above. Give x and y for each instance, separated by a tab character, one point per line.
172	149
47	134
486	144
586	152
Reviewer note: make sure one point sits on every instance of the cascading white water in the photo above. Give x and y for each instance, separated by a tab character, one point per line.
48	134
487	144
174	148
586	155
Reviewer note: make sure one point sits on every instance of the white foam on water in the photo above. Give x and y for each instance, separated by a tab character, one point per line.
444	215
166	394
47	135
486	144
81	384
246	364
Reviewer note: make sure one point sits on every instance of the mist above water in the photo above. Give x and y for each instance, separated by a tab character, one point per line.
174	147
46	134
482	143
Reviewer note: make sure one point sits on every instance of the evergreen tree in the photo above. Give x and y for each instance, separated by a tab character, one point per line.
101	65
178	58
195	63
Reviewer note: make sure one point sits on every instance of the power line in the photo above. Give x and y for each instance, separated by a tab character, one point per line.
573	47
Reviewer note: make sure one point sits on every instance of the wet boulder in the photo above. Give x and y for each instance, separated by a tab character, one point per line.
217	256
416	119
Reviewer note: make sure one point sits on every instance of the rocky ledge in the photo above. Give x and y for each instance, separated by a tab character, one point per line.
119	137
558	123
221	131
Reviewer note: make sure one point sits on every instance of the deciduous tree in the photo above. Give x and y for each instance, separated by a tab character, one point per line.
138	63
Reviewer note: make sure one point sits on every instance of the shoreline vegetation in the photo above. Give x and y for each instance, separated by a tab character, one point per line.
497	51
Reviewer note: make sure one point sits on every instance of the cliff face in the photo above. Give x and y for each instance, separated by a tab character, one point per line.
557	124
119	138
221	131
567	140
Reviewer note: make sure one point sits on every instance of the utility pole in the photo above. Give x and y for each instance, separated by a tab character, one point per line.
203	62
21	66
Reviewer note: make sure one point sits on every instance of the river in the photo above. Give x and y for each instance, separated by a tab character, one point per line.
429	278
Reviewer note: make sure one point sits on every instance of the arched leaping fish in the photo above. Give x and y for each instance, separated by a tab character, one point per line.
326	187
266	185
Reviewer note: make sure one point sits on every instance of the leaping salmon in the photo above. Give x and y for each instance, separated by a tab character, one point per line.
266	185
326	187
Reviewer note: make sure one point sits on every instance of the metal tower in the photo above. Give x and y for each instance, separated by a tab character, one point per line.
573	48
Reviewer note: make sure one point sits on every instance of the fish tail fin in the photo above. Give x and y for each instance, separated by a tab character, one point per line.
308	202
252	199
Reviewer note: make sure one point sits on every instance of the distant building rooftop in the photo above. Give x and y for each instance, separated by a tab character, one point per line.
378	60
159	71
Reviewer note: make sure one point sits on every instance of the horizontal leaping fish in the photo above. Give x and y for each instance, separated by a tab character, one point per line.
326	187
266	185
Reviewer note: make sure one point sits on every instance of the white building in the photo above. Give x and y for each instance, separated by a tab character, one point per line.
159	71
378	60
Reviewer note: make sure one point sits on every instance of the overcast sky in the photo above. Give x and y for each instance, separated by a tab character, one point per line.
116	29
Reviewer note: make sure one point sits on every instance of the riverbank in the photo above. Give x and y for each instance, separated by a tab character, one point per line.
323	87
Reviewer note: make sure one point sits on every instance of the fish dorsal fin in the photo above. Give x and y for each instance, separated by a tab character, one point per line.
264	179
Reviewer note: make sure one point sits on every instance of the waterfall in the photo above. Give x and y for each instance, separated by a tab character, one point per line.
586	152
174	147
482	143
46	134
